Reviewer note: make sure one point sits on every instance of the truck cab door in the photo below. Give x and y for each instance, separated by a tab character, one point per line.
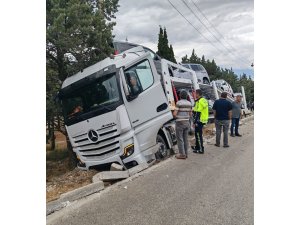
145	98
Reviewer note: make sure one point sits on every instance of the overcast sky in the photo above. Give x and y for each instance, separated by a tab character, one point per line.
139	21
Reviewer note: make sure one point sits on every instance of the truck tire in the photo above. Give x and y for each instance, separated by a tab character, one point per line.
163	151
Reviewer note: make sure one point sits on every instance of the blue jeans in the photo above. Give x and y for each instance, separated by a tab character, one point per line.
235	125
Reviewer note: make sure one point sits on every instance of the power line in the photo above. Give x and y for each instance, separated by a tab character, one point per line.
194	27
202	13
247	63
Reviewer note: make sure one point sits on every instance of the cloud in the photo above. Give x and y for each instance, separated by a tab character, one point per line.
139	21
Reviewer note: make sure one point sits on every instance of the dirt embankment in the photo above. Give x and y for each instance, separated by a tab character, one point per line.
60	179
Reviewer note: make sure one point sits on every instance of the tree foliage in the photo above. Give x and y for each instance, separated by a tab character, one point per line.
78	34
164	50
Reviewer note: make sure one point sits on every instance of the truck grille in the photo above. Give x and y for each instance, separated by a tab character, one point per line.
107	144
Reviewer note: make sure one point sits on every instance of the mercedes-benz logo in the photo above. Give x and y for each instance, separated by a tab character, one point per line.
93	135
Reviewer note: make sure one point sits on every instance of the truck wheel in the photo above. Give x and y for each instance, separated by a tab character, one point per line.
163	151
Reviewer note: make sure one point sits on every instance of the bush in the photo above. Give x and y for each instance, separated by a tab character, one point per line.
57	155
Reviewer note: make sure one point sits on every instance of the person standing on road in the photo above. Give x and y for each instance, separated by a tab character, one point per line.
236	115
222	112
182	113
200	112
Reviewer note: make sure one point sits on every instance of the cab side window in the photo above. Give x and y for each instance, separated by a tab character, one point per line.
139	77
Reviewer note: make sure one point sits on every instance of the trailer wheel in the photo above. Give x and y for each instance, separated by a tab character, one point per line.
163	151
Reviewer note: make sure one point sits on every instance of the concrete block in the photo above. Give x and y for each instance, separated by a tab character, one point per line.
111	175
56	205
138	168
116	167
82	192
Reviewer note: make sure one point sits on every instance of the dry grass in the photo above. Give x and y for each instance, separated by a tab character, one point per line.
60	176
61	179
60	142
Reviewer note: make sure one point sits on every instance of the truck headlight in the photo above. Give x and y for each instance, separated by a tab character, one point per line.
128	151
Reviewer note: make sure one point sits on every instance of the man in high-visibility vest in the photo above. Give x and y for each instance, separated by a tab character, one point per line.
200	112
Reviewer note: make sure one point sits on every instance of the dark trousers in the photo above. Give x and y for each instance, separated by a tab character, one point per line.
198	136
219	124
235	125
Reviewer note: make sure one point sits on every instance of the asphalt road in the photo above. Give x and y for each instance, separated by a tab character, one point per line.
214	188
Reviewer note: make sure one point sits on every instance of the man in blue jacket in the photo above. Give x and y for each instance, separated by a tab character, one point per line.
222	112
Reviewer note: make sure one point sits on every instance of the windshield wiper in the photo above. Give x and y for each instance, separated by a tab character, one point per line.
105	107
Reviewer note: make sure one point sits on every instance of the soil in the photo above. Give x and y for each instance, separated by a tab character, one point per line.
60	179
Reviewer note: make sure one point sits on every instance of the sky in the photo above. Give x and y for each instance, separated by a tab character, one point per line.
224	28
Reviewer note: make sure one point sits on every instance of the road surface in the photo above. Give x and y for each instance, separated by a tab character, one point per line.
214	188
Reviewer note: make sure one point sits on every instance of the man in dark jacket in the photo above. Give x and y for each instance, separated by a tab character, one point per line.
222	112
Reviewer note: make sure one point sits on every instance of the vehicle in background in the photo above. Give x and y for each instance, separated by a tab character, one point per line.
200	71
224	86
210	104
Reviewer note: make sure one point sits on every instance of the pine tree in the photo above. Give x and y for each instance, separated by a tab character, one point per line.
164	50
78	33
213	67
185	59
194	58
160	41
203	60
172	57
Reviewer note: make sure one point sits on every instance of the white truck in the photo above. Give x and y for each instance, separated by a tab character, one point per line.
120	109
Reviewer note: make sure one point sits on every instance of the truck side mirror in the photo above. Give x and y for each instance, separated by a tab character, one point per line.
132	97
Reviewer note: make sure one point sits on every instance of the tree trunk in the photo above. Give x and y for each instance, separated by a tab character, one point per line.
58	121
48	135
52	136
72	155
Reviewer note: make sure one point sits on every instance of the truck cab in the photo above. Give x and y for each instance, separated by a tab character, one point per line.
115	110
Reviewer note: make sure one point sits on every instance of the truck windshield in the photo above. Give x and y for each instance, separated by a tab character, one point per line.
96	97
